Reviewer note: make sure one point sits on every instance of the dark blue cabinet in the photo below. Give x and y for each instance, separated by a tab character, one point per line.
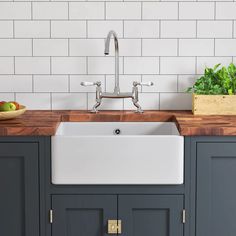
19	189
216	189
140	215
151	215
84	215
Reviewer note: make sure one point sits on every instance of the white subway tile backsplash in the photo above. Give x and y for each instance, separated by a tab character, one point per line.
75	82
6	65
141	65
86	10
225	47
34	101
160	47
196	10
177	65
15	83
161	83
32	29
68	65
127	47
178	29
225	10
203	62
100	29
175	101
103	65
47	48
15	10
50	10
123	10
32	65
50	47
15	47
214	29
6	29
68	29
196	47
160	10
69	101
141	29
51	83
87	47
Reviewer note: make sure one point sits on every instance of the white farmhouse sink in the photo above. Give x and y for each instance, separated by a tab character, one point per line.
92	153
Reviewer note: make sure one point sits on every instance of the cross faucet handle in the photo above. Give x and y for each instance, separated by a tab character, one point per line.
149	83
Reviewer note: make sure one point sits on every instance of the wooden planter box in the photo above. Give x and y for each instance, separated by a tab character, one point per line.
214	104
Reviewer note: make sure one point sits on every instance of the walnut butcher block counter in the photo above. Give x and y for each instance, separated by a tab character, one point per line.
45	123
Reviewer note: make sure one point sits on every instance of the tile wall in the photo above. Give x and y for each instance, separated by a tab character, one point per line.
48	47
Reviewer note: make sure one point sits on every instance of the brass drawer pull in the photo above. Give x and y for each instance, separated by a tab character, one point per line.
114	226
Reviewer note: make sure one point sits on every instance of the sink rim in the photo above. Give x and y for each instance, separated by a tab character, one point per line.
61	133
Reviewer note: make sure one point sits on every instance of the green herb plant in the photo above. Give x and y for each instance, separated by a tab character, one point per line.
216	81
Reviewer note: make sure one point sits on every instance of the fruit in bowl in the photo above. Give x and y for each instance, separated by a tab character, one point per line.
10	110
9	106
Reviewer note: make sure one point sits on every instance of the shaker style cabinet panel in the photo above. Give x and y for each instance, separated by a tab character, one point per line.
151	215
19	189
216	189
82	215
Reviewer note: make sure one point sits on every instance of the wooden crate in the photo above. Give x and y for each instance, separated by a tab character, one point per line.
214	104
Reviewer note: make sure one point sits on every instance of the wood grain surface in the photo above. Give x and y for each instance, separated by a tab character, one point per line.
45	123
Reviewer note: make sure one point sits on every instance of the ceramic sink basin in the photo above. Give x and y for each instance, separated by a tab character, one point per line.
117	153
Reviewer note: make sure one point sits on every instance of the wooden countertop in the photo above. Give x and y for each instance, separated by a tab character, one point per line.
45	123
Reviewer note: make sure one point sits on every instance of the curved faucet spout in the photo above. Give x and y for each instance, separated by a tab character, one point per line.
106	52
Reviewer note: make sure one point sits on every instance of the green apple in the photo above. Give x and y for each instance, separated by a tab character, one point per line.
8	106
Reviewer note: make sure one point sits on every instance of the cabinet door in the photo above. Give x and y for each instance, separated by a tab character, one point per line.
216	189
82	215
151	215
19	189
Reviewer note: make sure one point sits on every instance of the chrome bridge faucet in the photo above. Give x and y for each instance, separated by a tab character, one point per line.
116	93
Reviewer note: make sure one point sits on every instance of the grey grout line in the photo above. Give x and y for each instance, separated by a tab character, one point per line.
50	28
233	23
141	10
178	10
32	12
33	84
196	29
119	20
13	28
105	10
87	66
51	101
86	29
133	38
214	10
